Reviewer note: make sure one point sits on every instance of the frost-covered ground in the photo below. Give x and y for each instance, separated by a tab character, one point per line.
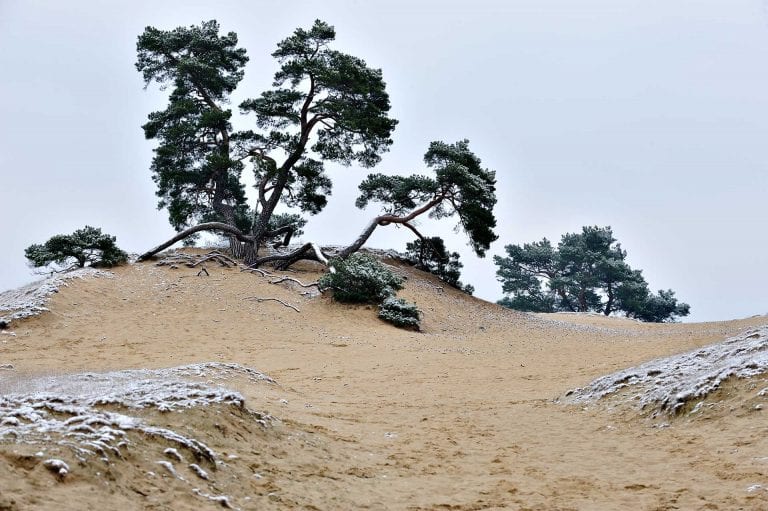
666	385
30	300
72	407
93	415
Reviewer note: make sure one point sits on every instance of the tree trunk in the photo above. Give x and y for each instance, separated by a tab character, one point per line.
360	241
609	303
582	300
565	299
208	226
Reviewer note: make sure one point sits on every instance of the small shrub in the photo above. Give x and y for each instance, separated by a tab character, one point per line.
87	246
360	279
400	313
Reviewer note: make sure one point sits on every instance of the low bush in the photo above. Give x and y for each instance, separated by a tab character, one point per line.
84	247
360	279
399	312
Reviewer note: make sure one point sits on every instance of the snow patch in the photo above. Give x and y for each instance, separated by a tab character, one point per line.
173	453
667	384
168	466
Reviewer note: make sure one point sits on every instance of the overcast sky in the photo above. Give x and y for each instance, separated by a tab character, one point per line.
650	116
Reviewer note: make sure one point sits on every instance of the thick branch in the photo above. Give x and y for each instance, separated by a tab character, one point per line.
386	220
414	230
308	251
208	226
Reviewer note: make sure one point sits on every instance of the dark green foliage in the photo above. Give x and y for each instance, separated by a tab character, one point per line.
431	255
640	303
87	246
400	313
281	220
461	187
360	279
193	168
317	85
324	105
322	91
587	271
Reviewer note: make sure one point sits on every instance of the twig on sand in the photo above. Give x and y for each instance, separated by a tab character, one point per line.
219	258
260	299
263	273
291	279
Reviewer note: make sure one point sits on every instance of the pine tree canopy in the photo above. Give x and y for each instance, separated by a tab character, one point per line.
460	187
587	271
325	105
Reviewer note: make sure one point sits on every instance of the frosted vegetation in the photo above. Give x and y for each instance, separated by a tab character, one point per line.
668	385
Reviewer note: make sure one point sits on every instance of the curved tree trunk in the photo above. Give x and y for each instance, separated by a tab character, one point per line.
208	226
309	251
360	241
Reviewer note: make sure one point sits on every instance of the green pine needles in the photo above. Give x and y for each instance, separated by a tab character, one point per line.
84	247
585	272
361	278
400	313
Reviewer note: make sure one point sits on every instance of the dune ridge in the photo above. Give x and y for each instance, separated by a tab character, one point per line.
360	415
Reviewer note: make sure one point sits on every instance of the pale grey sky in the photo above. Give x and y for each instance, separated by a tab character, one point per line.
647	115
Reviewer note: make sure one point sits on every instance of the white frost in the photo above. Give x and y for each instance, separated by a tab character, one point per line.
202	474
69	409
168	466
30	300
223	500
56	466
173	453
667	384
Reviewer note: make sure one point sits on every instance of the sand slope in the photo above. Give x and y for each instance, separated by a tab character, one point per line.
366	416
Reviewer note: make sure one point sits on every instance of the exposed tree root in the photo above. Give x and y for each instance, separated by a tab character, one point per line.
263	273
307	252
291	279
219	258
260	299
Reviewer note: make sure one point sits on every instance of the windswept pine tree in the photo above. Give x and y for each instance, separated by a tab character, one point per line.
325	106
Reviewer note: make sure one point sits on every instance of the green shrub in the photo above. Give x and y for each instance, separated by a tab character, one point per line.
360	279
399	312
87	246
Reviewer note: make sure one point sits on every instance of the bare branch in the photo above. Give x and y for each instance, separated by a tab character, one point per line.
259	299
291	279
263	273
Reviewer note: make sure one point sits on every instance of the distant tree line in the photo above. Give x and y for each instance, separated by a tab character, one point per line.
585	272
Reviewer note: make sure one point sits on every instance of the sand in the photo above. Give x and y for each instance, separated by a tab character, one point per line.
463	415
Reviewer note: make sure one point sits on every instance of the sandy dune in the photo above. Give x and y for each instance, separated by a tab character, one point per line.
361	415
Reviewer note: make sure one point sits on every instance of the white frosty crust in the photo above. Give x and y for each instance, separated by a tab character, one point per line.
667	384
